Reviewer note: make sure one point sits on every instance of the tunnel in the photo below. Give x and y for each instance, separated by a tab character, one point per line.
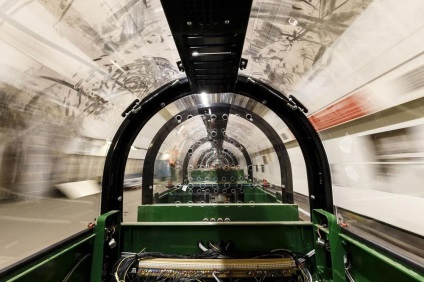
211	140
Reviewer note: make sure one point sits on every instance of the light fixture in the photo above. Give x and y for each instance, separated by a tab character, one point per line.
197	54
204	98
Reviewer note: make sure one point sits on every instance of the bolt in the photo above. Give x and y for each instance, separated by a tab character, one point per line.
189	23
162	105
120	198
227	21
312	197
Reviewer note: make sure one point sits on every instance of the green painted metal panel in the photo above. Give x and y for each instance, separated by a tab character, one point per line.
180	238
234	212
217	175
259	195
72	260
173	196
367	264
329	257
105	222
251	193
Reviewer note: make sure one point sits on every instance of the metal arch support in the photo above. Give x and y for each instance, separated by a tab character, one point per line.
156	143
279	148
317	166
205	158
278	145
196	145
153	151
270	133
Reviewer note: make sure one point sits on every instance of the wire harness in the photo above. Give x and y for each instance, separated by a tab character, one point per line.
216	262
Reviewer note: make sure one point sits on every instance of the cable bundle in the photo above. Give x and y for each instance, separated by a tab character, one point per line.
214	263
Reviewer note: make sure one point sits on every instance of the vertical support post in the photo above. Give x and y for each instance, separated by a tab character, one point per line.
107	228
329	250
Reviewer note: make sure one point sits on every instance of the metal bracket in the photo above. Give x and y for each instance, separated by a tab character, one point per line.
295	104
180	66
134	107
243	63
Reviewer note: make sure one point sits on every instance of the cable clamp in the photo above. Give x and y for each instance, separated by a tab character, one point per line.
133	108
295	104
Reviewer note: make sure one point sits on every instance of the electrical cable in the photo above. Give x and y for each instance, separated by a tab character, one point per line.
217	250
216	277
202	247
348	275
66	278
308	274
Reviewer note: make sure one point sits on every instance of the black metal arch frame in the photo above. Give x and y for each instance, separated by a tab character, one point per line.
230	140
205	157
317	166
276	142
217	108
229	155
156	143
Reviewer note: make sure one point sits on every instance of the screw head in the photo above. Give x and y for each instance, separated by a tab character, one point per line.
120	198
189	23
227	22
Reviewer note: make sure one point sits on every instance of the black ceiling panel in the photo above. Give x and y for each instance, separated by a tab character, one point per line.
209	35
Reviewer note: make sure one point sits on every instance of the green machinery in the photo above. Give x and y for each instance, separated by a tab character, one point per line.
209	230
84	257
256	222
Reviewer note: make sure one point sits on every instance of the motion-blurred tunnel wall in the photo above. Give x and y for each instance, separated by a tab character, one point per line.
68	69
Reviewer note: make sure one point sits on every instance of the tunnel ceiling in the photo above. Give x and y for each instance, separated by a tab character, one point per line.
80	63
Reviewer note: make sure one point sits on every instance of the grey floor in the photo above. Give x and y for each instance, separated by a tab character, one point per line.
30	225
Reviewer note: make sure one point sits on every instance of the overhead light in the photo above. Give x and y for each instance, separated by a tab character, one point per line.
204	98
196	54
